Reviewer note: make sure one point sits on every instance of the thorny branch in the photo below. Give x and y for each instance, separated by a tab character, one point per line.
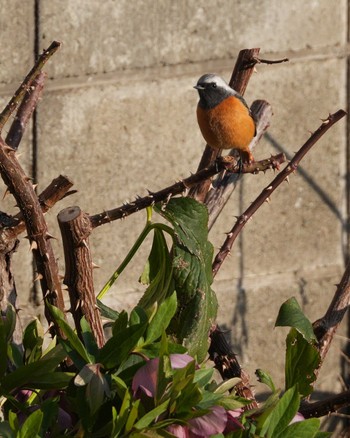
25	111
325	407
267	192
22	189
21	91
326	326
228	164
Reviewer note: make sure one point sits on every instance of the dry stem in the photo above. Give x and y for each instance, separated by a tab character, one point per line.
75	229
22	189
267	192
25	111
20	92
228	164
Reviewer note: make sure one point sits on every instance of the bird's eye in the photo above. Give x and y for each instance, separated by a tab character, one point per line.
214	85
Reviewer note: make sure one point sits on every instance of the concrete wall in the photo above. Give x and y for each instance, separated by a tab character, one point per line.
118	116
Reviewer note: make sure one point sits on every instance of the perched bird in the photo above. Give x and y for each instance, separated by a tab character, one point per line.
224	117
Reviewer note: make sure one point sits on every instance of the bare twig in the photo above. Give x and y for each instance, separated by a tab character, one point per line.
326	326
228	164
267	192
239	80
269	61
325	407
22	189
75	229
58	189
227	364
25	111
20	92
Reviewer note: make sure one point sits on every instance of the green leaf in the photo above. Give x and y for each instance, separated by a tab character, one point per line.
89	339
9	321
3	348
31	427
132	415
291	315
120	323
304	429
117	348
265	378
203	376
162	318
147	419
6	431
107	312
192	261
138	316
302	359
226	385
36	372
72	338
282	414
33	339
157	272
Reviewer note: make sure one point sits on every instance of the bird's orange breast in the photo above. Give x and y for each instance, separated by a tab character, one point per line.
228	125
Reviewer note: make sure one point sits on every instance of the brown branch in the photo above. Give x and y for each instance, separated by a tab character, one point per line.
228	164
268	61
225	183
267	192
75	229
22	189
326	327
25	111
325	407
20	92
227	364
239	80
58	189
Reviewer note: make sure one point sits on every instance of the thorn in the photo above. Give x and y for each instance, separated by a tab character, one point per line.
8	149
268	200
94	266
34	186
7	192
18	154
38	277
61	277
33	245
286	179
84	243
50	236
269	188
28	178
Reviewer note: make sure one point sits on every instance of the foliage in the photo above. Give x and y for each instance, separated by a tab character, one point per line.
150	378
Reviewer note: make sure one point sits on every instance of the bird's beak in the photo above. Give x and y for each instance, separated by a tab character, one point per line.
199	87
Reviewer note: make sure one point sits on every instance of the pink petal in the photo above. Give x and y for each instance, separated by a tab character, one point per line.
209	424
180	360
232	422
298	417
146	378
179	431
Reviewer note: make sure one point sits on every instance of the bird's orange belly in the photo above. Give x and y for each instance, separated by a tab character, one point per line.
227	126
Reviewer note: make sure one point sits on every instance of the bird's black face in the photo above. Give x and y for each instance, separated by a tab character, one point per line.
212	90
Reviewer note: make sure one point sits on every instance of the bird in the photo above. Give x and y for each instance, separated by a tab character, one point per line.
224	117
